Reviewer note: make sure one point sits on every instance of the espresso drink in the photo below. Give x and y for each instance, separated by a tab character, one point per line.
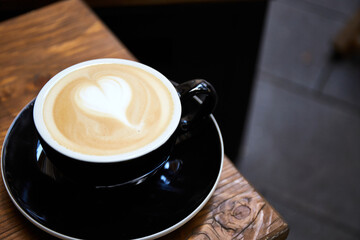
107	109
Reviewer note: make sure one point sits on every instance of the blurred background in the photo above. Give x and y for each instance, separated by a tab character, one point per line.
288	76
302	144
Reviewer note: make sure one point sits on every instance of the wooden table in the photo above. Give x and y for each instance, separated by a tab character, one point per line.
37	45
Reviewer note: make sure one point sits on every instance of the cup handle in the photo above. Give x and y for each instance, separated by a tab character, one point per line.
204	91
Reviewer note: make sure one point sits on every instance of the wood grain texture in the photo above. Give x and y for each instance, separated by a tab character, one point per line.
235	211
37	45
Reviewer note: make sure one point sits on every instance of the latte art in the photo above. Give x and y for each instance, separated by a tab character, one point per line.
110	96
107	109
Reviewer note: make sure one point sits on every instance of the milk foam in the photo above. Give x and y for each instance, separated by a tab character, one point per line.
107	109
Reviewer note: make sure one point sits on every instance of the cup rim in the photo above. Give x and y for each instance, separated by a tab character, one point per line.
159	141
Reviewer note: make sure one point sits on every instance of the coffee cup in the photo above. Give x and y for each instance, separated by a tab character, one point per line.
113	122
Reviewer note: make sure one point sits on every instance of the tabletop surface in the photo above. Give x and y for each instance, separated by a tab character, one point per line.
37	45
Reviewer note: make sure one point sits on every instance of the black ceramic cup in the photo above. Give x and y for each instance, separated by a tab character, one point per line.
127	168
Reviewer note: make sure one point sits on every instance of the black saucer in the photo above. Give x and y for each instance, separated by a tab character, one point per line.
149	210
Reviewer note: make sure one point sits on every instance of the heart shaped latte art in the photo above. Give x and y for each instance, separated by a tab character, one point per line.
110	97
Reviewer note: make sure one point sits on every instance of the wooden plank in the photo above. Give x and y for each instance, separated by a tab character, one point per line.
37	45
235	211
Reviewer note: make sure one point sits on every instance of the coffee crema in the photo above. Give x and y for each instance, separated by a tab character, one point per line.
107	109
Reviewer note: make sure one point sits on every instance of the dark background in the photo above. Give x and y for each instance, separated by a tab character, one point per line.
216	40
